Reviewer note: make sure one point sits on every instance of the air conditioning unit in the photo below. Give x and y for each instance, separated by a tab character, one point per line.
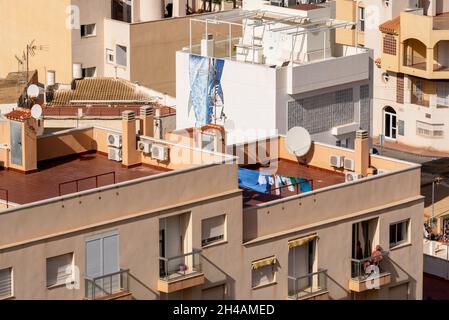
351	176
115	154
336	161
349	164
145	147
114	140
159	152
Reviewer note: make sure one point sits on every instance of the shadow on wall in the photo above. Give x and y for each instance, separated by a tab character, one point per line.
57	146
140	289
220	278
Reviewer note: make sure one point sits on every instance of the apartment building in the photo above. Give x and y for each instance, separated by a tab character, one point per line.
279	62
108	214
414	66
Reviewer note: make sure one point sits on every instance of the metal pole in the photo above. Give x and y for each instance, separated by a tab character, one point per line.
433	202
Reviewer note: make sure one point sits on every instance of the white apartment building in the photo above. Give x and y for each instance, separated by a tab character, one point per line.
275	69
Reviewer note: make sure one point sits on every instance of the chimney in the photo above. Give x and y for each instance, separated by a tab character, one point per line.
147	121
130	155
362	152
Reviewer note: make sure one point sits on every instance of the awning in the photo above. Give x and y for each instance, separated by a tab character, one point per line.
300	241
263	262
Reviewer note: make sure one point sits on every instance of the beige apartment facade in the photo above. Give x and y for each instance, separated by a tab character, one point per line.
183	228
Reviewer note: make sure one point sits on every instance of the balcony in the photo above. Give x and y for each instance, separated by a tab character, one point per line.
113	286
180	272
369	273
312	286
351	64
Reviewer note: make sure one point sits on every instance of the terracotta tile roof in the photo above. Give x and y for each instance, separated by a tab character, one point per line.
105	89
19	114
305	7
391	26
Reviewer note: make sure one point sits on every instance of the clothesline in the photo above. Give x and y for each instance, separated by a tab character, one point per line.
266	183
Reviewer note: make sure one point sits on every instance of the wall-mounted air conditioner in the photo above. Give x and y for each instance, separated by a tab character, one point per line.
349	164
159	152
336	161
351	176
114	154
145	147
114	140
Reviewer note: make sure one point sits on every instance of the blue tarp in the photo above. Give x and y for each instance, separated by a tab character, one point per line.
250	179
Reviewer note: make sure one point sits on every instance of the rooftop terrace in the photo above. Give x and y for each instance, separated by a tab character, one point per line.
68	175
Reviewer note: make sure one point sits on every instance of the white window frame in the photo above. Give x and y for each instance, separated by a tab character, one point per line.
110	53
429	130
12	283
71	276
214	241
272	267
94	30
362	25
406	238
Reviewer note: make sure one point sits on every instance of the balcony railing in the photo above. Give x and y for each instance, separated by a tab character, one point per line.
368	268
308	285
179	267
107	285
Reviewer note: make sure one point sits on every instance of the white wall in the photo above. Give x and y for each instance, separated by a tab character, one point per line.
116	33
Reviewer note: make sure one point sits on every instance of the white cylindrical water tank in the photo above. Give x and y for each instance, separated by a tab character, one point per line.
77	71
51	78
151	10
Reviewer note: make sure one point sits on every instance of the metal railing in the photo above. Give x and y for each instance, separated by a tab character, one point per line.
77	181
307	285
6	197
175	268
362	269
107	285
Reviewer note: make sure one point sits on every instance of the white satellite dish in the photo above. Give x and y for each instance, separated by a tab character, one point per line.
33	91
298	141
36	111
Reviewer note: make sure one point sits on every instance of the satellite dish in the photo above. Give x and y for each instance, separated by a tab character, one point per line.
33	91
298	141
36	111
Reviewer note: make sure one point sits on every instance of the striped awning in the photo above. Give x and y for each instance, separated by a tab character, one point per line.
300	241
263	262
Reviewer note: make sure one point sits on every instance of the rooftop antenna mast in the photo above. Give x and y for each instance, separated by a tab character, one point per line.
31	49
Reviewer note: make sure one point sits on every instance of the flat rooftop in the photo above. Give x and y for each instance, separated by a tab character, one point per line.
45	184
317	177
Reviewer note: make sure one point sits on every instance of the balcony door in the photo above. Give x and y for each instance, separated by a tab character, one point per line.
390	124
300	264
102	259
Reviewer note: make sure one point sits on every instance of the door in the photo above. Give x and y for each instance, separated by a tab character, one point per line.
300	260
16	143
390	128
102	260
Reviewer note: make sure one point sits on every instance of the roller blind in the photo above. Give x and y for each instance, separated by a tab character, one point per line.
5	283
59	269
213	227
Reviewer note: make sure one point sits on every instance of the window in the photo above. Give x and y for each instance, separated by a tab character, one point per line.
389	45
88	30
121	53
213	230
89	72
443	93
6	287
59	269
263	275
110	56
399	233
362	19
343	143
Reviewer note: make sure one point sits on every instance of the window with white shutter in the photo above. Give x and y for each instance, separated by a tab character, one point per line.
213	230
6	283
59	269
